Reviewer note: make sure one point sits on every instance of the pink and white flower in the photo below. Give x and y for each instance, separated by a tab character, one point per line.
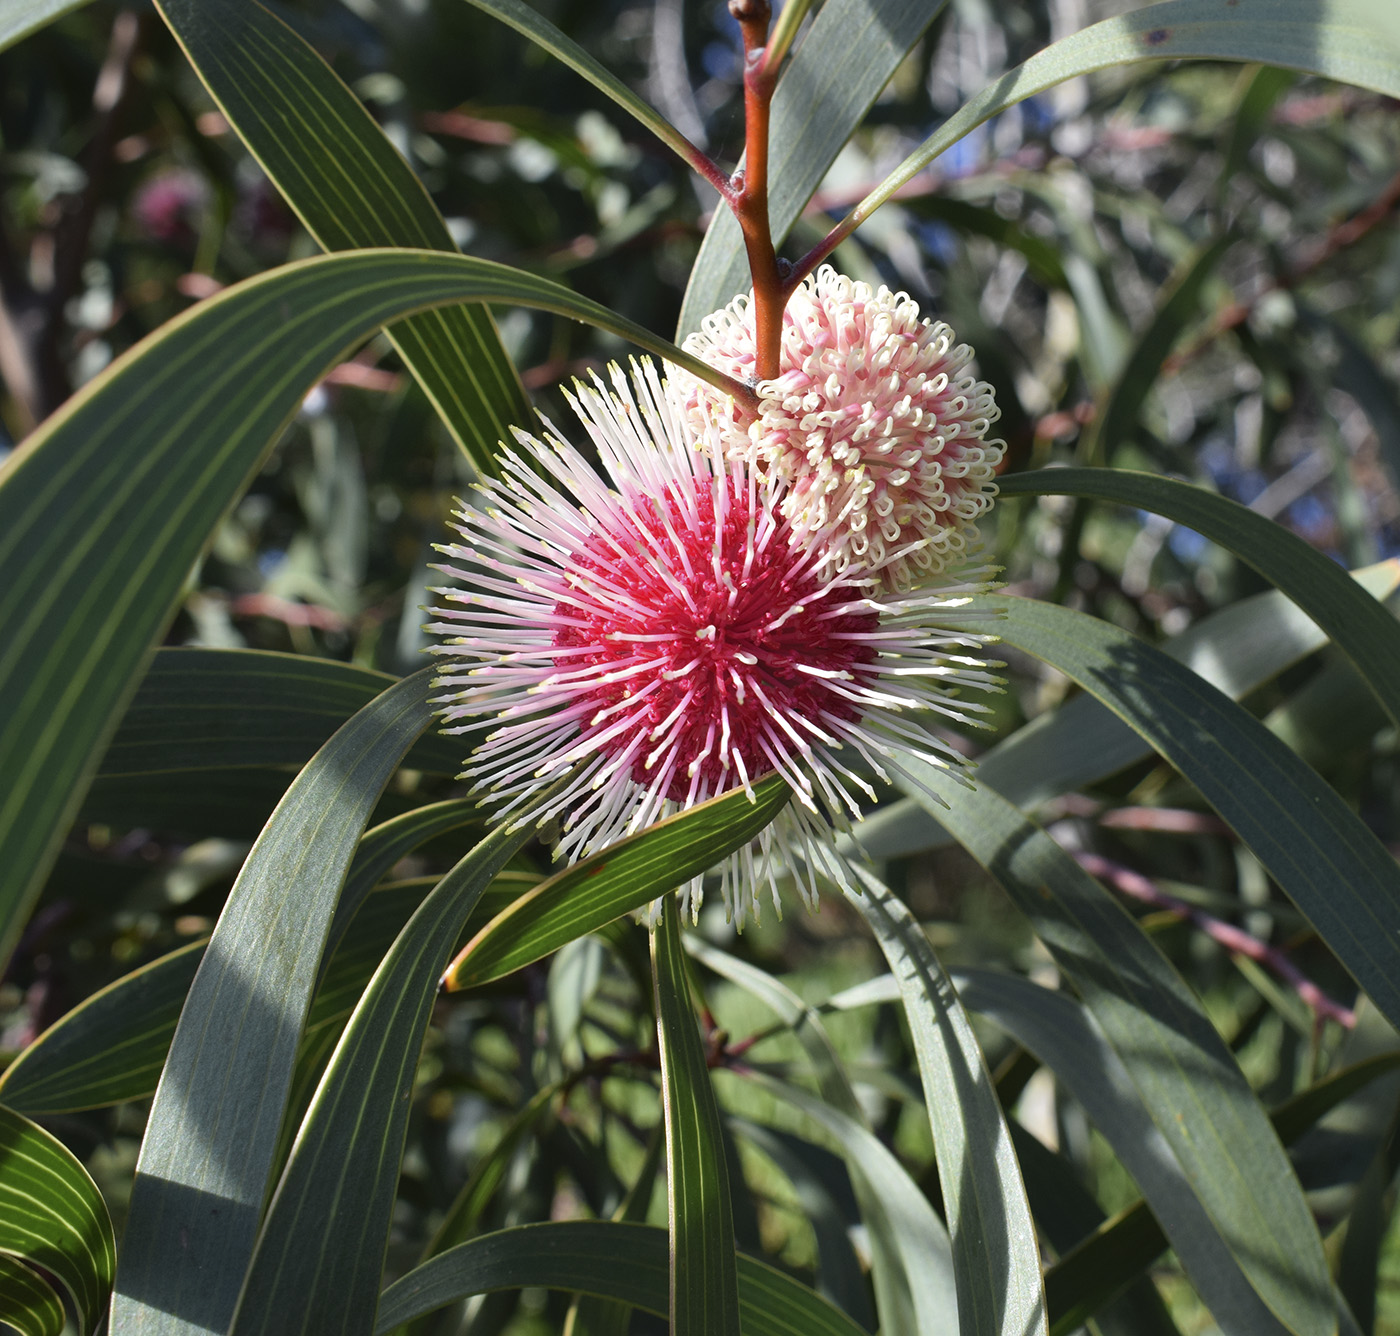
659	635
874	427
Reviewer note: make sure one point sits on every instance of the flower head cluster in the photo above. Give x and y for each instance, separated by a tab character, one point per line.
660	635
874	429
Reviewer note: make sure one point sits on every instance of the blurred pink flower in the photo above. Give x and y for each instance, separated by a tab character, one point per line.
661	635
874	428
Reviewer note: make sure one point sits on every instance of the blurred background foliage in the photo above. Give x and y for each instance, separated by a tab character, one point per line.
1229	233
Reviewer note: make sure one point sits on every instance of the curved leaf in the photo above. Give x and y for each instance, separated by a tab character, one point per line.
703	1282
104	509
847	57
919	1235
211	1139
320	1252
1059	1032
1353	41
1189	1082
995	1258
337	169
608	1259
112	1046
27	1301
621	878
1318	850
53	1216
1355	621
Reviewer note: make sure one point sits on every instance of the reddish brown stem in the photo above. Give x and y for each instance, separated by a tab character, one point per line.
749	188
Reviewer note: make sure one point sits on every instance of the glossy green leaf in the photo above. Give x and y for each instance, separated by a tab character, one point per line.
104	509
1352	41
846	58
1356	622
334	165
919	1235
27	1301
320	1252
19	18
995	1259
529	21
52	1216
704	1288
1236	649
1319	851
211	1139
622	878
1188	1080
219	709
609	1259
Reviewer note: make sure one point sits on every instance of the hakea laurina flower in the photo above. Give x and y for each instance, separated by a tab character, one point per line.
659	636
874	427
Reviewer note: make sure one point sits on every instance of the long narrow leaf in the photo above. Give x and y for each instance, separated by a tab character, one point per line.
609	1259
53	1216
989	1220
319	1255
212	1136
19	18
337	169
622	878
1356	622
1188	1080
104	509
1321	854
704	1287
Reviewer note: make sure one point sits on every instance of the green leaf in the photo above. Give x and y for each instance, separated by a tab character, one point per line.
1352	41
847	57
1188	1080
530	22
109	1048
895	1281
1318	850
220	709
1059	1032
995	1258
320	1252
353	190
112	1046
19	18
211	1139
919	1236
622	878
1356	622
704	1288
27	1301
104	509
608	1259
52	1216
1236	649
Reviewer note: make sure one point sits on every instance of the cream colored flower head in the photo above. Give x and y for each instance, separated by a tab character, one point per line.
874	429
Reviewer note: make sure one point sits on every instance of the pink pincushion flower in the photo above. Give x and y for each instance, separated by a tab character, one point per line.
874	428
660	636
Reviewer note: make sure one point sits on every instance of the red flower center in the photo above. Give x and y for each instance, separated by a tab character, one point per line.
726	638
